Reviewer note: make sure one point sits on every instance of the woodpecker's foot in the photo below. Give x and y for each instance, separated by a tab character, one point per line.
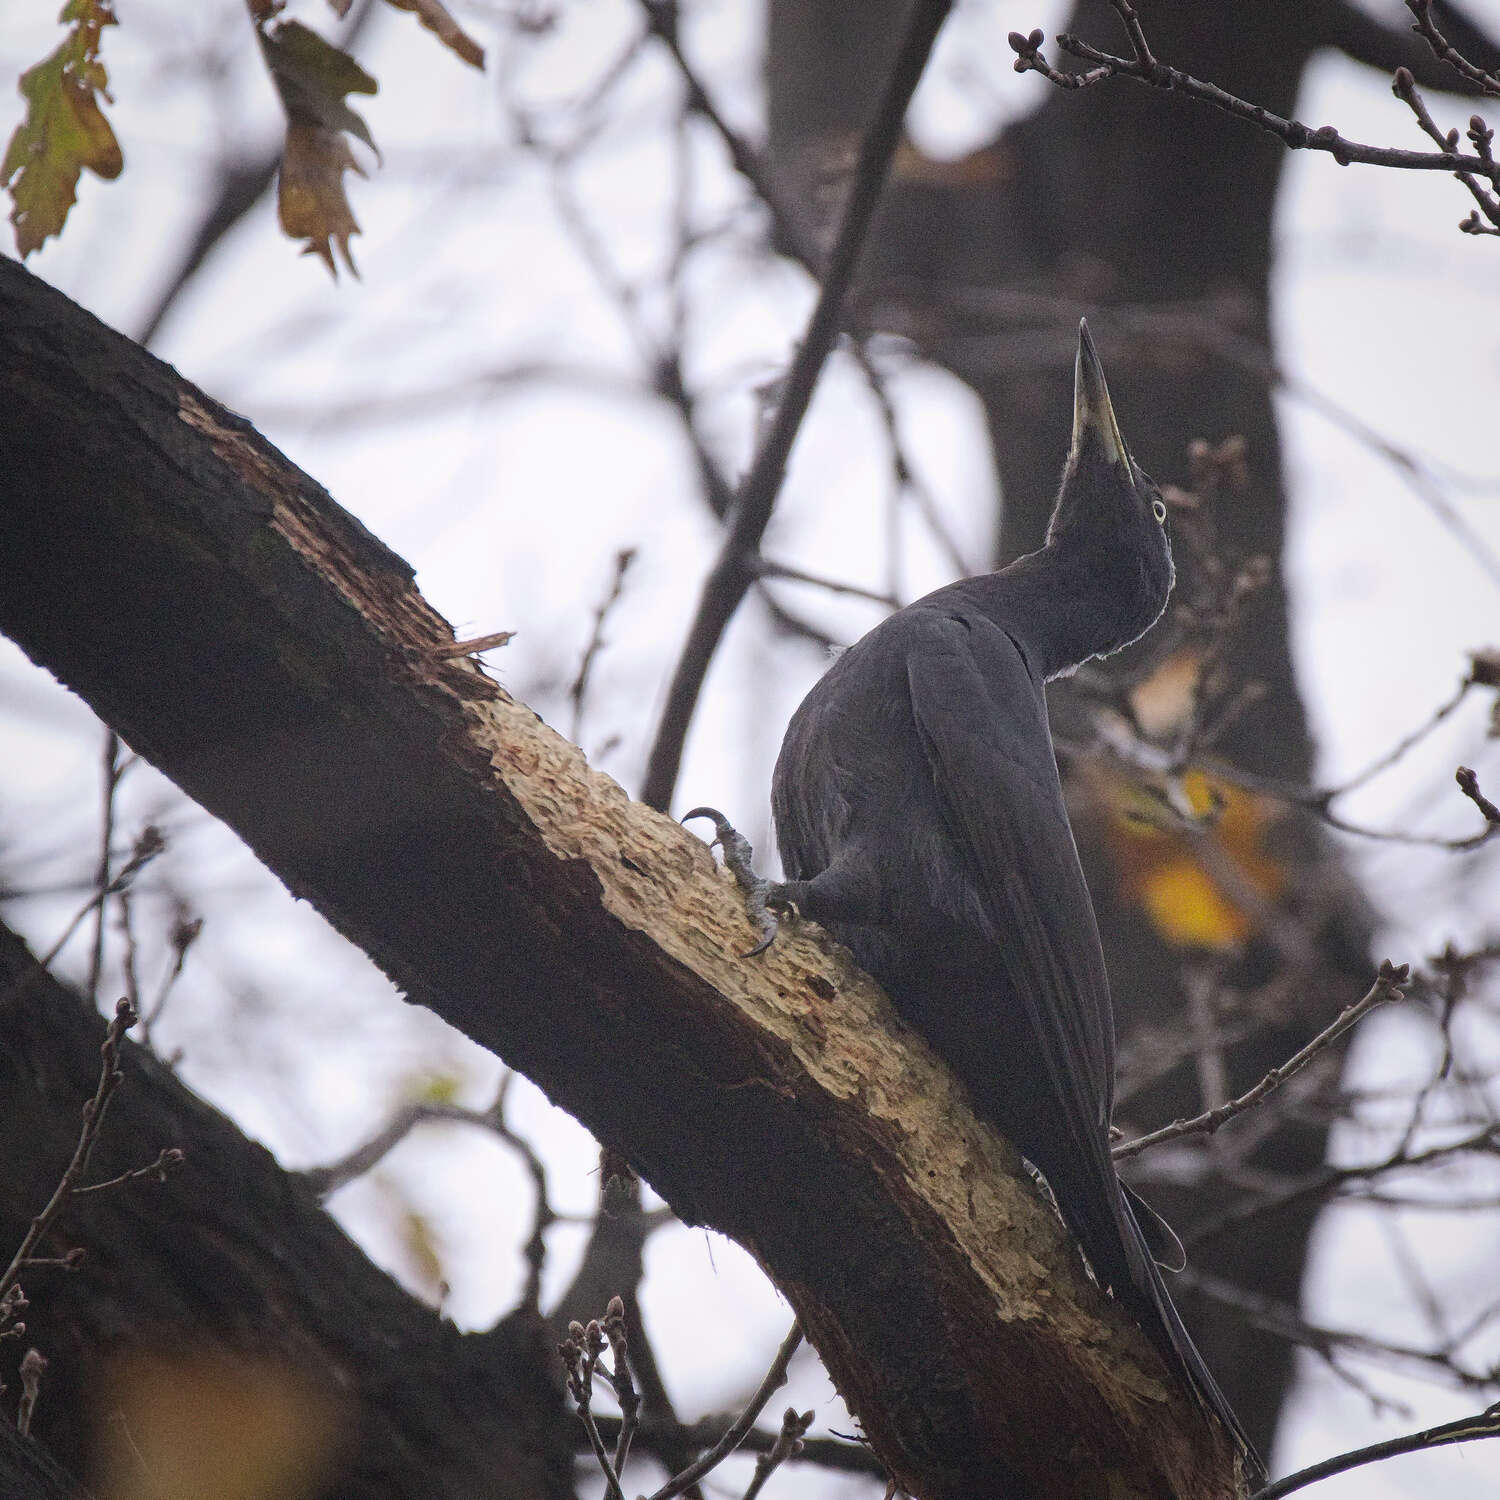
766	901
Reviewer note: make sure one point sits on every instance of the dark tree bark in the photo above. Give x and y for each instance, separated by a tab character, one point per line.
1131	199
28	1472
226	1293
254	642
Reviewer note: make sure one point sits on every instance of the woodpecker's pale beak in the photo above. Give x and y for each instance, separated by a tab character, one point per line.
1092	412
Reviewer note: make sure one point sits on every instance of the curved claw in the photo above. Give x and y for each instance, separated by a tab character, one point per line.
764	899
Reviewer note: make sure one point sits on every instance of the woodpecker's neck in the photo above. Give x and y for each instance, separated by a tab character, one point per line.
1061	611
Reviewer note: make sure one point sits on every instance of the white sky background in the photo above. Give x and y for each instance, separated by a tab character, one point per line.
512	505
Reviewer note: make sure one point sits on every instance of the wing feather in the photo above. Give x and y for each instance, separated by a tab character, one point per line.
981	718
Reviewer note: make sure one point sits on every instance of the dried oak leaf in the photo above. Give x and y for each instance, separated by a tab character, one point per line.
435	17
64	130
312	77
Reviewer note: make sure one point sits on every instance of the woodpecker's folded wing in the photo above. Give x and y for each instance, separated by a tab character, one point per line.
982	721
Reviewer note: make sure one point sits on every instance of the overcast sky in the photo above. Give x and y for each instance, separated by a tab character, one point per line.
513	502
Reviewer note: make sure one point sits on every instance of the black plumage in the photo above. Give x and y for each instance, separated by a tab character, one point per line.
921	820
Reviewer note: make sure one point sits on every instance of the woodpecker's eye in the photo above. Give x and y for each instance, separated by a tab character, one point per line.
1159	511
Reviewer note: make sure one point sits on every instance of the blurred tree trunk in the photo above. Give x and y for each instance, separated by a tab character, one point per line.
1121	197
221	1330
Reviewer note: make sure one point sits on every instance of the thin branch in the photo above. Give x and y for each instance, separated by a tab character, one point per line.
732	574
185	932
775	1378
791	236
1485	1424
580	1353
1327	1184
661	18
110	1078
543	1215
1439	715
580	684
111	771
1386	988
1283	1321
763	567
1427	29
622	1381
167	1159
1404	86
788	1444
839	1455
33	1366
148	845
1144	67
364	1158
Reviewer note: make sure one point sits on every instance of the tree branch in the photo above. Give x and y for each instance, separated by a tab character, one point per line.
264	650
1145	67
1385	988
1485	1424
733	574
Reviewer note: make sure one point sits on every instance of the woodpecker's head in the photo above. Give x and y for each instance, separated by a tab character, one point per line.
1110	520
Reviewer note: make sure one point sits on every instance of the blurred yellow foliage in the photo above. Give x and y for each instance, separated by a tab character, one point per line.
198	1424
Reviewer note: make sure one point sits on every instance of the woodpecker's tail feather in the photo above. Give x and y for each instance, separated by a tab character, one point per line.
1152	1306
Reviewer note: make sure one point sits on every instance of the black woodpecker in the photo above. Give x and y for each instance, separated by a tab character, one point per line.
921	821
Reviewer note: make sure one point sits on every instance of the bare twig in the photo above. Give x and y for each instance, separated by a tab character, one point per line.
1468	784
732	574
185	932
1439	715
1386	987
839	1455
775	1378
148	845
33	1367
788	1444
543	1215
167	1159
580	685
622	1381
1404	86
1427	28
580	1353
765	568
1172	763
1328	1183
1146	68
1485	1424
110	1078
1285	1322
111	780
365	1157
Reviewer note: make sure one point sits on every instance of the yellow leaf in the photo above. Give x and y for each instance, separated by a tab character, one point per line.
312	77
1159	866
311	203
434	1086
434	16
64	130
1186	908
